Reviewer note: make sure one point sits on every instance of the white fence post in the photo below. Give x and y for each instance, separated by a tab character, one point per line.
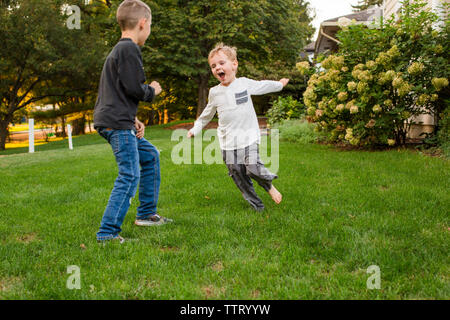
69	131
31	135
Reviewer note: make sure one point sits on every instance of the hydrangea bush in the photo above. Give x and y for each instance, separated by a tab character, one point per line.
369	92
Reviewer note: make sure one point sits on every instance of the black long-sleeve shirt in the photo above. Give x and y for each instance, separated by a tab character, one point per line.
122	86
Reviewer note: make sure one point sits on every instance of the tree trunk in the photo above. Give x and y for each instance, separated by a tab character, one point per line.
63	127
202	93
160	118
166	116
3	133
4	123
151	118
79	126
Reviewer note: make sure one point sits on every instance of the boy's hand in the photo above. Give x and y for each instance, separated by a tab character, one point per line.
155	85
140	127
189	134
284	81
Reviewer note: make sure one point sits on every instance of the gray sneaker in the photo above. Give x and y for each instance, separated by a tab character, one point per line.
154	220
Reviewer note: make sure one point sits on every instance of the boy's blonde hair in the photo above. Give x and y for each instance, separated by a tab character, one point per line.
130	12
230	52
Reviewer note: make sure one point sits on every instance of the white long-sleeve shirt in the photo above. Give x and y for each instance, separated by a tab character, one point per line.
238	124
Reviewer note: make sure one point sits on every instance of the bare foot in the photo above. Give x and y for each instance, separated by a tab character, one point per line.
275	194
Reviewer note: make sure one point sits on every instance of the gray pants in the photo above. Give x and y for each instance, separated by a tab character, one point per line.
244	164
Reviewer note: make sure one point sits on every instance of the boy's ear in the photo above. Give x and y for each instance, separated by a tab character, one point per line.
142	22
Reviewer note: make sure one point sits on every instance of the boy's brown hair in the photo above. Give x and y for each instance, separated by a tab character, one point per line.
230	52
130	12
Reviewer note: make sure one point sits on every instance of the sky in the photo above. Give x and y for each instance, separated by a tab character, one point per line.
327	9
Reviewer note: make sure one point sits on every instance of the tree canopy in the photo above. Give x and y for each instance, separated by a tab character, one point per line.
45	61
184	31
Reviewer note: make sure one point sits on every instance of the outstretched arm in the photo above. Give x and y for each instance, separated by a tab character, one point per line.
265	86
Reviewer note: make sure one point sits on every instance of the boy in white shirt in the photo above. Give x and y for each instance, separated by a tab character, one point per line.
238	129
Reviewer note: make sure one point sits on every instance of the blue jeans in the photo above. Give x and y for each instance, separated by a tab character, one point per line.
130	153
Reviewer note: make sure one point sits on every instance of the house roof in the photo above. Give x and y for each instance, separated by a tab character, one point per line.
326	39
359	16
308	50
310	47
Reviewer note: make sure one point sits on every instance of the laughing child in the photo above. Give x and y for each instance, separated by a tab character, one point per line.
238	130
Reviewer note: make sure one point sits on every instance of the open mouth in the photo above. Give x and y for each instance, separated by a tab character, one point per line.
221	75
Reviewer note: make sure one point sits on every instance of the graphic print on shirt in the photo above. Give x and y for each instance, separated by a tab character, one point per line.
241	97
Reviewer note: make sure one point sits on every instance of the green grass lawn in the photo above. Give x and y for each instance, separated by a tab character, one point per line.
342	212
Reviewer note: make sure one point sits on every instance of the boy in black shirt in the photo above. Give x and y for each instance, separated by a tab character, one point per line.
122	86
